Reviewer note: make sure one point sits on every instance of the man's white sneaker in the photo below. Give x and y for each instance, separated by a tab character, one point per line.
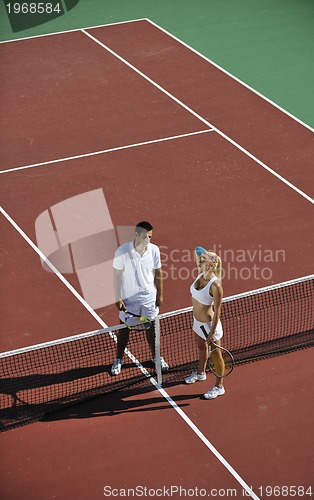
164	364
214	392
116	367
195	377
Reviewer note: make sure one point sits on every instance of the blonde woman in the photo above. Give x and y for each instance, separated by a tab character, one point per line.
207	295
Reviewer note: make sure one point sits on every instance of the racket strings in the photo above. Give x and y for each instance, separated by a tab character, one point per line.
137	323
220	362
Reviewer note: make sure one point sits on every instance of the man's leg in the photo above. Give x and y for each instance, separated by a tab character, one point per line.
150	335
150	310
122	341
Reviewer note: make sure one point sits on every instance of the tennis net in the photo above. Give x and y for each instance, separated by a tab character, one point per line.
258	324
40	379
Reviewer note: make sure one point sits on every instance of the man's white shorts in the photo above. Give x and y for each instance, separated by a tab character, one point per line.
150	310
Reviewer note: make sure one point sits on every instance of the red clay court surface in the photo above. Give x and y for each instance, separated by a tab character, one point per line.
207	172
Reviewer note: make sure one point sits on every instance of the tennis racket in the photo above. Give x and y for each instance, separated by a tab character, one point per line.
142	323
220	361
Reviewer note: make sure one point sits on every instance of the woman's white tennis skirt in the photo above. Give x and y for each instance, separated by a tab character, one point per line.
203	329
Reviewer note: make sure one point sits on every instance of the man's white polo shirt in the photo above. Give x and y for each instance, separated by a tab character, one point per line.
138	275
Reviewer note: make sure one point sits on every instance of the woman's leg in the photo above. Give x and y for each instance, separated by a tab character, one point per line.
203	353
217	360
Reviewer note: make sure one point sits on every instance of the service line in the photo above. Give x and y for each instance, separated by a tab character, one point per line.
197	115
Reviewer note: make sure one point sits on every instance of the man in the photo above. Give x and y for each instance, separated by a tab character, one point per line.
138	285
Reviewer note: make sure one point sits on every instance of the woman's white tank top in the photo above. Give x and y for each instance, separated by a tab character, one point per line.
203	295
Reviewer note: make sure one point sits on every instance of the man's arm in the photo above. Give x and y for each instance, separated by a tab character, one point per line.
117	283
159	286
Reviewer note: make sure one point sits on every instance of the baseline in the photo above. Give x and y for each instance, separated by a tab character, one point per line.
178	40
70	31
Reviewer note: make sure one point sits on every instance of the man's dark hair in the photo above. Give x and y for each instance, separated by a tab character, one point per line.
143	225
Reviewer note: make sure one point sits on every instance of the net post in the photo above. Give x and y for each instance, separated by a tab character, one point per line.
157	350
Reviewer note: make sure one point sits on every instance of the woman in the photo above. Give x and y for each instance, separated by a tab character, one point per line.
207	296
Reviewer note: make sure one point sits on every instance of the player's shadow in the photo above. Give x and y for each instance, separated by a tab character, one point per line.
124	401
30	397
56	395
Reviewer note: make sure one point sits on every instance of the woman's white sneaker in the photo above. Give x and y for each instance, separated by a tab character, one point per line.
195	377
214	392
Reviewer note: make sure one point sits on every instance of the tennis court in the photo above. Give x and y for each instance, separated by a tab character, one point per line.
166	135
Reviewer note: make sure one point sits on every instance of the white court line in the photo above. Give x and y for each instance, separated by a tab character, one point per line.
94	153
161	390
206	122
70	31
73	291
165	395
232	76
178	40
